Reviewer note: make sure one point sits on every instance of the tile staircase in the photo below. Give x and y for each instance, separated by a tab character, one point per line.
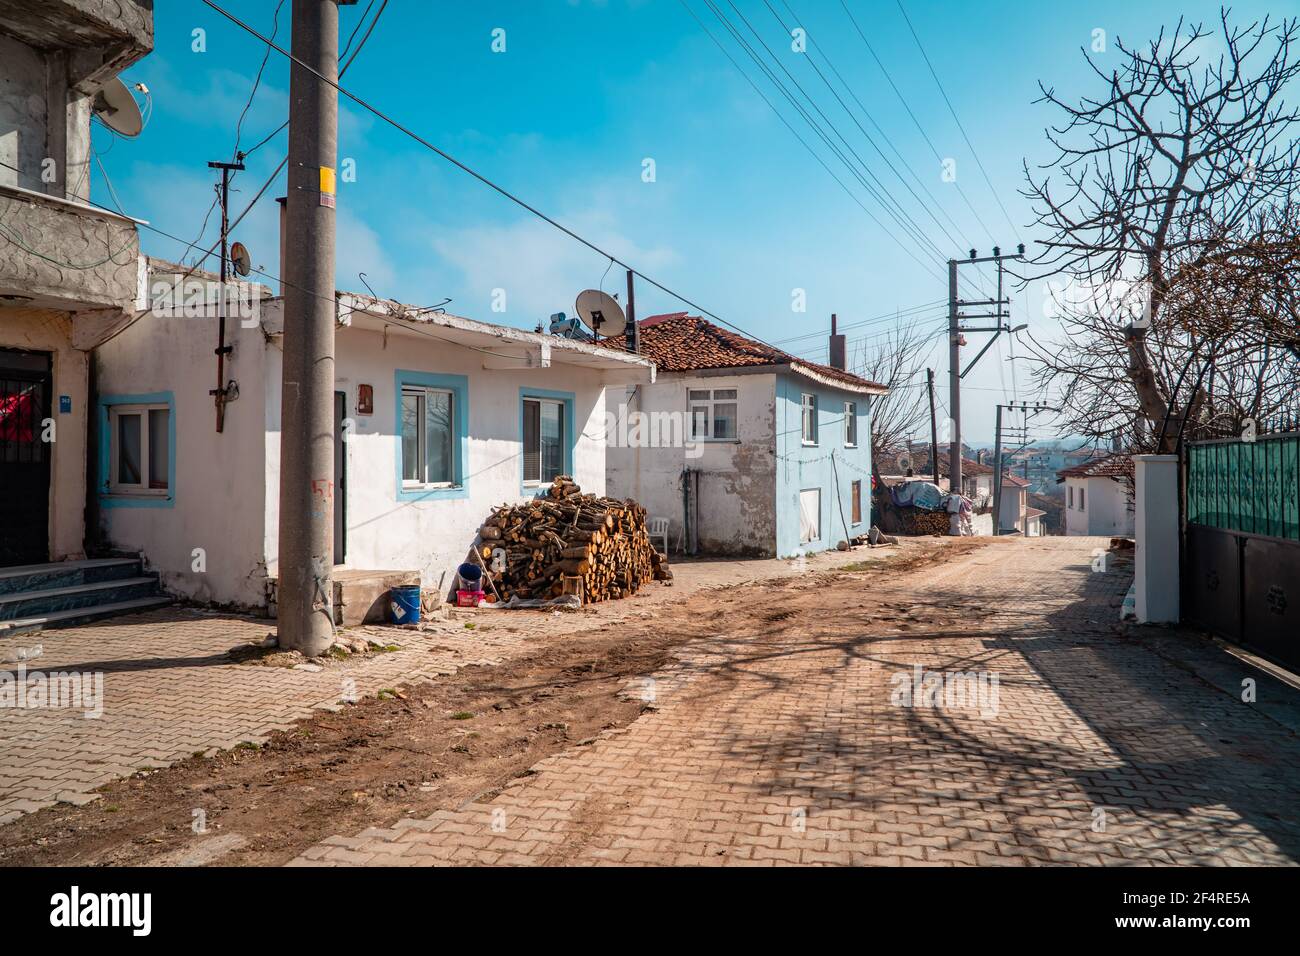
38	596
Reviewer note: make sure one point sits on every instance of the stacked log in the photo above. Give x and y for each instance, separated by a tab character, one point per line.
566	542
914	521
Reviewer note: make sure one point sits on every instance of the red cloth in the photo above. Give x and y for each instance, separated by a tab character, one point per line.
16	417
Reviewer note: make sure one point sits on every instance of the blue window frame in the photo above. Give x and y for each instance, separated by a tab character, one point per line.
431	432
137	450
547	437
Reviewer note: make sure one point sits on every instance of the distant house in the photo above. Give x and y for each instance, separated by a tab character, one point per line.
1015	514
437	419
743	448
1099	496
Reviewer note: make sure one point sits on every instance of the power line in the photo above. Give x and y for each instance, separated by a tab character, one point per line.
861	128
284	162
479	176
879	191
997	198
921	129
883	317
804	143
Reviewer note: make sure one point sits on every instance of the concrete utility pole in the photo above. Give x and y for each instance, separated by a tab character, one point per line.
306	553
956	340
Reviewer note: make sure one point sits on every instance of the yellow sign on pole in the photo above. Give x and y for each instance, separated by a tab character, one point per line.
327	186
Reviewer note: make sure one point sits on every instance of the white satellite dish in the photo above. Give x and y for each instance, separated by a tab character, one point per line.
117	108
240	259
599	309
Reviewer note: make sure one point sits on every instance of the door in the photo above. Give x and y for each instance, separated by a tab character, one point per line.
25	387
340	478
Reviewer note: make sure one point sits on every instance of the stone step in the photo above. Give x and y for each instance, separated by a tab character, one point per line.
81	615
57	574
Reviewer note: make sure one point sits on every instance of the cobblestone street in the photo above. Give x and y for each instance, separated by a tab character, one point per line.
780	743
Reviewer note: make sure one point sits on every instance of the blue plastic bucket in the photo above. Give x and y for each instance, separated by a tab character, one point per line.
404	604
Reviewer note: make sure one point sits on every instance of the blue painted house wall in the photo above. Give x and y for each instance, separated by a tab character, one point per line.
829	465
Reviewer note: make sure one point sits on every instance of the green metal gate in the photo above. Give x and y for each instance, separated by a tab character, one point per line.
1241	540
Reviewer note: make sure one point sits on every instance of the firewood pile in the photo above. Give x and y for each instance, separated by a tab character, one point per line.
914	521
569	543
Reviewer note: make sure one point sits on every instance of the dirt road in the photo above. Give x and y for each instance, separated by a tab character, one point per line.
415	749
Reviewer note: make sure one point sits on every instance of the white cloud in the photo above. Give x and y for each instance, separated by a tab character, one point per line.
541	269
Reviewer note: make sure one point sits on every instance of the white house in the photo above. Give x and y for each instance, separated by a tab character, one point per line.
1014	511
744	449
1099	497
437	419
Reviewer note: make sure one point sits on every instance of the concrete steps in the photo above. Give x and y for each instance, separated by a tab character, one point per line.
38	596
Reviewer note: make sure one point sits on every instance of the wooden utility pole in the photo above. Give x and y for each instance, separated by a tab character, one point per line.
306	545
220	393
934	430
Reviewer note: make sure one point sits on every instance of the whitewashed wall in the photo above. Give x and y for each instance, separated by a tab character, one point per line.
433	536
218	489
737	479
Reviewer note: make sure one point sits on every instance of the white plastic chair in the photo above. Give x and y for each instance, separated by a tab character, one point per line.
659	529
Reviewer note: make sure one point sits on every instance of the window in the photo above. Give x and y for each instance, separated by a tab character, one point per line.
810	513
139	449
1081	505
857	502
850	424
544	440
712	413
1070	491
428	432
809	419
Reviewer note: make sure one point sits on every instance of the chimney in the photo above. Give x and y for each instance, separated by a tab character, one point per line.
284	228
837	346
630	337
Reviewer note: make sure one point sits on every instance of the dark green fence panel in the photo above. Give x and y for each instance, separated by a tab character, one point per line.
1251	487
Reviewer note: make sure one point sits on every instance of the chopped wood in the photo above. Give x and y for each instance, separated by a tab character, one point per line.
569	543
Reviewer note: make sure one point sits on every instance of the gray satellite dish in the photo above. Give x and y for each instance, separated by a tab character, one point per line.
117	109
240	259
597	309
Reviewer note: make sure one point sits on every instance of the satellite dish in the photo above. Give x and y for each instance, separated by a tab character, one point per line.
240	259
117	109
597	309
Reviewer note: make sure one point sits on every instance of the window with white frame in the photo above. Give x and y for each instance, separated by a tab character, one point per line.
712	413
850	424
809	405
139	449
543	440
428	433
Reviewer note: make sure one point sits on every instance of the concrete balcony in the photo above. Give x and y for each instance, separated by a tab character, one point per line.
66	256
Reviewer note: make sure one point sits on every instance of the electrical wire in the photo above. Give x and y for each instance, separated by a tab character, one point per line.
877	191
906	106
477	175
284	162
997	198
804	143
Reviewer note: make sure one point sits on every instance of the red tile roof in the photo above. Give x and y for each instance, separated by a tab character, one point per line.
680	342
1010	479
1112	466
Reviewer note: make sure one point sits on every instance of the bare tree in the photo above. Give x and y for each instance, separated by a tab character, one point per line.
1166	191
896	362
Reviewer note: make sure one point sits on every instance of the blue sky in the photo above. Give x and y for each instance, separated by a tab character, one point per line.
738	216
